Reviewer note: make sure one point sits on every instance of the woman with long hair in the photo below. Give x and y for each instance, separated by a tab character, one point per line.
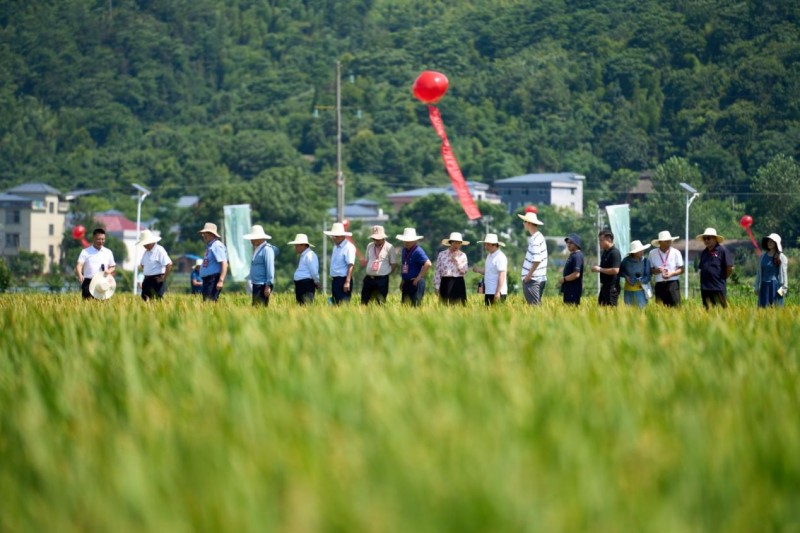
771	275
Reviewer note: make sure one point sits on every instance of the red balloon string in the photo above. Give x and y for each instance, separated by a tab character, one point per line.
753	240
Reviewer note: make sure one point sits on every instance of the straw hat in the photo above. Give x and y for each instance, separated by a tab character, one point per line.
211	228
198	263
409	234
574	239
102	287
337	230
257	234
301	238
663	236
377	233
491	238
636	246
711	232
454	236
532	218
146	237
774	237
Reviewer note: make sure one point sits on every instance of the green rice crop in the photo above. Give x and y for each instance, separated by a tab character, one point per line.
183	416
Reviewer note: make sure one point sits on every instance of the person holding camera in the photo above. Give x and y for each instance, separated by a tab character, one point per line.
635	270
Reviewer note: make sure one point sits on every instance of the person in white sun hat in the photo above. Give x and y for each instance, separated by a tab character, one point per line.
635	271
215	263
495	271
195	281
716	266
415	265
666	264
534	267
451	266
772	283
343	260
306	275
381	263
262	266
156	266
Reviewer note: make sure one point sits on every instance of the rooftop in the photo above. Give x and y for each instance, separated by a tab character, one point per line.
542	178
33	188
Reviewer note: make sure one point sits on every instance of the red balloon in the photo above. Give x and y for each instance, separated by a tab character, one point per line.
430	86
531	209
346	224
78	232
746	221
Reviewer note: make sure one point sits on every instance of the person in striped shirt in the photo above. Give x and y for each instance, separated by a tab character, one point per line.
534	267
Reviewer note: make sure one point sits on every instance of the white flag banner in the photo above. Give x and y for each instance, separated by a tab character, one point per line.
240	252
619	220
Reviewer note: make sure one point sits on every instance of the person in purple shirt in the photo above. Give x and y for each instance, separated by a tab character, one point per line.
716	266
415	265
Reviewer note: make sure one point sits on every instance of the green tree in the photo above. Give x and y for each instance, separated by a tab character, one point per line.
776	202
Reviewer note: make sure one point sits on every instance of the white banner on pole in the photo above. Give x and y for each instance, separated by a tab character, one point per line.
240	252
619	220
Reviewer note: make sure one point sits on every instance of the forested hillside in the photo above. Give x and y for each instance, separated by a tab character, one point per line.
231	100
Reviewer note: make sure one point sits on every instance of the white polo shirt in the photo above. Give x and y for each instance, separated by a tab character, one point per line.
671	259
92	259
155	261
496	262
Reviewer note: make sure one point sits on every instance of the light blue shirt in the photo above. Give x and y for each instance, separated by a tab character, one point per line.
307	266
216	253
344	255
262	268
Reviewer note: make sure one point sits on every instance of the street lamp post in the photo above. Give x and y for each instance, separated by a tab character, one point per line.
142	193
689	199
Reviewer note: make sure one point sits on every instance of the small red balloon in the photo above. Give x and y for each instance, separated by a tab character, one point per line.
531	209
746	221
78	232
430	86
346	224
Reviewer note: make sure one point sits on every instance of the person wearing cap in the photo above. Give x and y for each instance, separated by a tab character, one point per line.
215	262
610	261
96	259
635	271
451	266
196	282
415	265
156	266
666	264
306	275
716	266
572	278
495	271
381	263
262	266
343	260
534	267
771	282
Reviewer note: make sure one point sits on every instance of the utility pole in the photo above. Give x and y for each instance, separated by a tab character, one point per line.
339	174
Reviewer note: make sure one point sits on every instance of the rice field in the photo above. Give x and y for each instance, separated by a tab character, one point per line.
179	416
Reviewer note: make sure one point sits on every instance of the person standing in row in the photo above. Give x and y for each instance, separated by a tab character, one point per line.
610	260
196	282
156	266
343	260
495	271
215	263
415	266
93	260
534	267
666	264
381	263
306	276
262	266
572	280
716	266
451	266
772	282
635	270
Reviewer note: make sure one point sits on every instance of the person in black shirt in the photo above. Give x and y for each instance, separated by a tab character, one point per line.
610	261
716	266
572	280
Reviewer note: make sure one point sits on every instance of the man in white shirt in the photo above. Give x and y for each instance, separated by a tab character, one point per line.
94	260
156	266
343	261
534	267
306	275
666	264
381	263
495	272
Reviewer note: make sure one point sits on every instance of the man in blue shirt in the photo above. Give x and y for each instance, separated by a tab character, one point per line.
415	265
343	260
306	276
215	262
262	267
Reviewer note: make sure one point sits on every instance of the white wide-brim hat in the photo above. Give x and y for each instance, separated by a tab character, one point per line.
774	237
454	236
532	218
257	234
146	237
337	230
301	238
378	233
491	238
711	232
198	263
211	228
663	236
102	287
409	234
637	246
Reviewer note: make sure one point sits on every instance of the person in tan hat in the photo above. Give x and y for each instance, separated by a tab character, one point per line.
716	266
635	272
195	281
771	283
415	266
666	264
155	264
94	260
215	262
495	271
262	266
451	266
381	263
343	260
306	275
534	267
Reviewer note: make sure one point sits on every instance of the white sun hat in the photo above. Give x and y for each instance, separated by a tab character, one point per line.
409	234
102	287
454	236
146	237
337	230
663	236
491	238
532	218
301	238
377	233
637	246
711	232
210	227
774	237
256	234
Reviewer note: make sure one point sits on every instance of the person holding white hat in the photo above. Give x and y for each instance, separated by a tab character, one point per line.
666	264
495	271
215	263
451	266
156	266
381	263
262	266
716	266
195	281
94	260
771	282
306	275
343	260
415	266
534	267
635	270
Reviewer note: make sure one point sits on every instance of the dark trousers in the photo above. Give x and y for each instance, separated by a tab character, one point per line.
609	295
259	299
304	290
572	291
411	294
152	288
453	290
210	291
337	290
668	293
714	298
488	299
374	288
85	289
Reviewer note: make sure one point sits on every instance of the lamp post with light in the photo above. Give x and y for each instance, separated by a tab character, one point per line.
142	193
689	199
